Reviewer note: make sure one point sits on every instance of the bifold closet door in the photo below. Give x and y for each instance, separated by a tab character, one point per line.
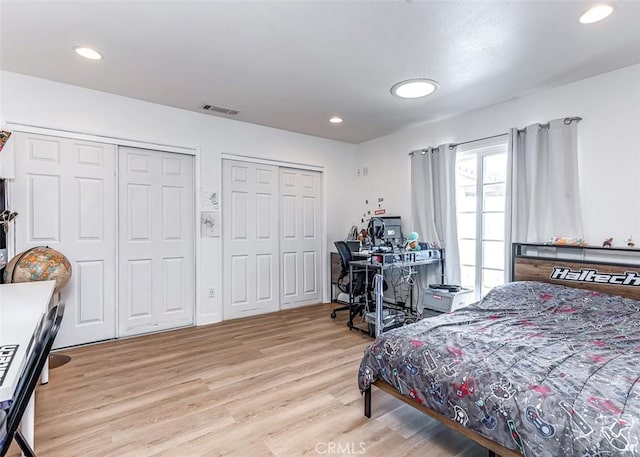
250	238
156	240
300	240
65	196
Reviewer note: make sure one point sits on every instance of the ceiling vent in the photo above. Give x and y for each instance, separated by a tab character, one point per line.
220	109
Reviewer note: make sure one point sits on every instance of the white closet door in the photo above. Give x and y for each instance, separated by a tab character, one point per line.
64	192
250	239
300	240
156	241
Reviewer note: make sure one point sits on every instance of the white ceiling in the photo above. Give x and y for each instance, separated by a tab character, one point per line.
293	64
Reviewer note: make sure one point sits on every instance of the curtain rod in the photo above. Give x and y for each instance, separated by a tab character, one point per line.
453	145
566	120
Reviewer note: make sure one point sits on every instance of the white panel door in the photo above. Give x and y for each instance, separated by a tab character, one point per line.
300	237
250	238
156	241
64	194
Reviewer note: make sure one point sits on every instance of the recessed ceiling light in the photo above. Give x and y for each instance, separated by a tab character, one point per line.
87	53
414	88
336	120
596	13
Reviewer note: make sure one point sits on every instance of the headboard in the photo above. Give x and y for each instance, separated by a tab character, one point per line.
613	271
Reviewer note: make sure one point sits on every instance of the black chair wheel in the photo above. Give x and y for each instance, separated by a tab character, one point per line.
333	315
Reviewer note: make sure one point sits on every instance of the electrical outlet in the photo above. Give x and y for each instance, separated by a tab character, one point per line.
212	292
365	171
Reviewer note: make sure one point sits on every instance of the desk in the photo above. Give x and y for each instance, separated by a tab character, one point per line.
22	306
394	260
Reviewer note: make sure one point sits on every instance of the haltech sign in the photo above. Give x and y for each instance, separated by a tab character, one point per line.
628	278
6	357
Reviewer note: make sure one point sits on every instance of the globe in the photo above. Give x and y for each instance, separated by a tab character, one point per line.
39	264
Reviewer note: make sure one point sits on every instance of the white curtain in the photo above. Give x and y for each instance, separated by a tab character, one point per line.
542	192
422	201
433	204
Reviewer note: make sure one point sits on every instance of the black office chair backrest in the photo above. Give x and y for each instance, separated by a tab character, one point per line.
41	347
345	256
359	277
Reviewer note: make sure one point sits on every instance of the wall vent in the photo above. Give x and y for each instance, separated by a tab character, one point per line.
220	109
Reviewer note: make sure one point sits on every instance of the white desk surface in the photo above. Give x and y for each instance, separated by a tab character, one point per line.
21	307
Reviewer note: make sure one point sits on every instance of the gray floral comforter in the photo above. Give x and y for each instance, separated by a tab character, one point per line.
545	369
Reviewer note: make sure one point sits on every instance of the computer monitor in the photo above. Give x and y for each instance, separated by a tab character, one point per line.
354	245
392	231
386	231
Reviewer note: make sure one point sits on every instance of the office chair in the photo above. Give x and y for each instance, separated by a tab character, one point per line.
360	288
42	343
343	279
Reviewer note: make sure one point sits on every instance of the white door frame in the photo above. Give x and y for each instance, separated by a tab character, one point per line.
193	151
323	234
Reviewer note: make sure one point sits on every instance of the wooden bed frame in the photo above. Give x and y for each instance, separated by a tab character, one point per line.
540	262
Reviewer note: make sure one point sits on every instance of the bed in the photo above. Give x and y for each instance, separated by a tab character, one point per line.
534	368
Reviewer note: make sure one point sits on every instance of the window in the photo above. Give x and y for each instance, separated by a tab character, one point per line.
481	173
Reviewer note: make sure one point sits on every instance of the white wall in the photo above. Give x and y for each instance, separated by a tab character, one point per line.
609	149
608	145
42	103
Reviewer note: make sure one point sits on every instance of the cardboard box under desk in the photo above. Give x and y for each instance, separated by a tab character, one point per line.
445	302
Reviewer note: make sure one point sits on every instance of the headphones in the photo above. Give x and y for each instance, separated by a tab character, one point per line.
376	230
353	233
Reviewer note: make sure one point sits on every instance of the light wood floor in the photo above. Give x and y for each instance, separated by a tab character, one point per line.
283	384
